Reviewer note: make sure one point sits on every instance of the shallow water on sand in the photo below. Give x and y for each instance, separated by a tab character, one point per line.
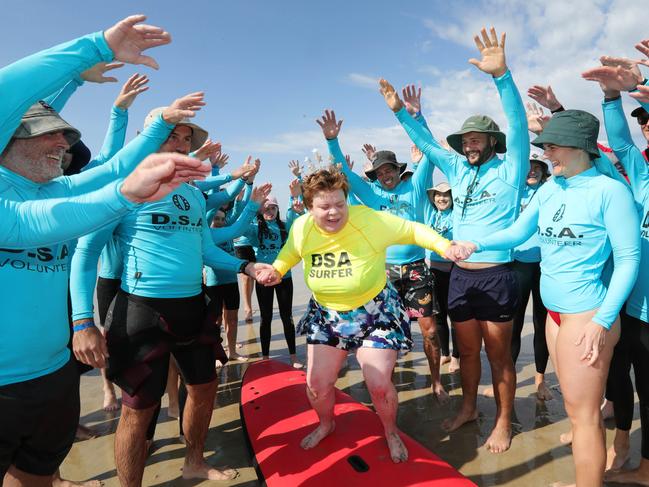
536	457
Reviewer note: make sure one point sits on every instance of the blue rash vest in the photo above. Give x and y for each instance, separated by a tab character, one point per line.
442	223
580	221
163	245
492	195
406	200
620	140
529	251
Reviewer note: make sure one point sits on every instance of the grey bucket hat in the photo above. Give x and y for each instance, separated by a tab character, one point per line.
382	158
42	119
199	134
571	128
482	124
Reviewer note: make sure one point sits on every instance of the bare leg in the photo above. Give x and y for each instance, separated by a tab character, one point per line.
377	366
231	320
324	363
110	398
196	421
454	366
248	286
432	350
18	478
130	441
543	392
619	452
636	476
583	388
469	338
498	339
173	411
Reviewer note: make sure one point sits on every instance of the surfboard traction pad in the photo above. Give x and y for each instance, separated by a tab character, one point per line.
276	415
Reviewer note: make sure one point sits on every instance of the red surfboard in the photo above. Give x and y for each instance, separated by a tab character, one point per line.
276	415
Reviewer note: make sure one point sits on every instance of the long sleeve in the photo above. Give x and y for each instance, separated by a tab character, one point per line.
399	231
115	136
215	257
220	198
34	77
60	98
361	188
47	222
522	229
289	256
239	205
238	228
83	270
213	182
624	235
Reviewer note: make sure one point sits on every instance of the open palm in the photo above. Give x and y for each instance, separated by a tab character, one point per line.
492	52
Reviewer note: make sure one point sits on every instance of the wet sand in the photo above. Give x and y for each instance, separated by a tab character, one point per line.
536	457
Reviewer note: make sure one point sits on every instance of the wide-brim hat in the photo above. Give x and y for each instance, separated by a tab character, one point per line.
638	112
537	158
381	158
41	119
571	128
199	134
442	187
406	173
483	125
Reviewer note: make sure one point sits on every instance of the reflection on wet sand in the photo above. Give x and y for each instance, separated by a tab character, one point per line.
536	457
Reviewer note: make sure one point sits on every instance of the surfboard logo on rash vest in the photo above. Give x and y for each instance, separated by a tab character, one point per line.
558	216
180	202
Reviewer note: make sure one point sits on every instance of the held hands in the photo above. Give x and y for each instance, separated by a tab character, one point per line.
492	52
593	338
460	250
159	174
260	193
128	38
208	150
269	276
184	107
89	347
412	99
330	127
390	96
262	273
135	85
536	119
96	73
544	96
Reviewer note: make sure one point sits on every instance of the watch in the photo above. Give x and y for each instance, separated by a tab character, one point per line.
242	267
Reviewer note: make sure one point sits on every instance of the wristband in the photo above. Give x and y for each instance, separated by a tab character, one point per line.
613	98
242	267
83	325
560	109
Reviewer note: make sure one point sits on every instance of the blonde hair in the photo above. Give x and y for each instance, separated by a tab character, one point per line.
330	179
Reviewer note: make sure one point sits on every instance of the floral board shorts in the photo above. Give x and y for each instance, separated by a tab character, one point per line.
379	323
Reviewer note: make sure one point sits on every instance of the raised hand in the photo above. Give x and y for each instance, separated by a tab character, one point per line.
159	174
208	150
536	119
295	188
390	95
219	159
96	73
128	39
295	168
135	85
350	163
412	99
643	47
260	193
492	52
246	169
184	107
298	206
615	78
330	127
642	95
370	151
544	96
415	154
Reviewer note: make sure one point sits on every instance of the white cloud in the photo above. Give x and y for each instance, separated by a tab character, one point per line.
363	80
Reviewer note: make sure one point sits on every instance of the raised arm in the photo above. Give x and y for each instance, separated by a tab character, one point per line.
239	227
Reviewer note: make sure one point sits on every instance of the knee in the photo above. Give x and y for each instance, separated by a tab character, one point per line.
584	415
317	387
379	389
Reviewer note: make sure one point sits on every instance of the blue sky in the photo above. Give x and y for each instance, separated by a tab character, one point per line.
269	68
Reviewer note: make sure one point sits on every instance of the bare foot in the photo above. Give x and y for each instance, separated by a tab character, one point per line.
451	424
248	316
85	433
297	365
617	456
454	366
239	345
439	393
562	484
398	451
110	401
237	357
607	410
317	435
57	481
173	411
637	476
488	391
543	392
566	438
499	440
444	359
218	364
205	471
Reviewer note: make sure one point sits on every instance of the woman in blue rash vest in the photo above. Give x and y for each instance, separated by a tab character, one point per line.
583	218
438	214
633	347
267	236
